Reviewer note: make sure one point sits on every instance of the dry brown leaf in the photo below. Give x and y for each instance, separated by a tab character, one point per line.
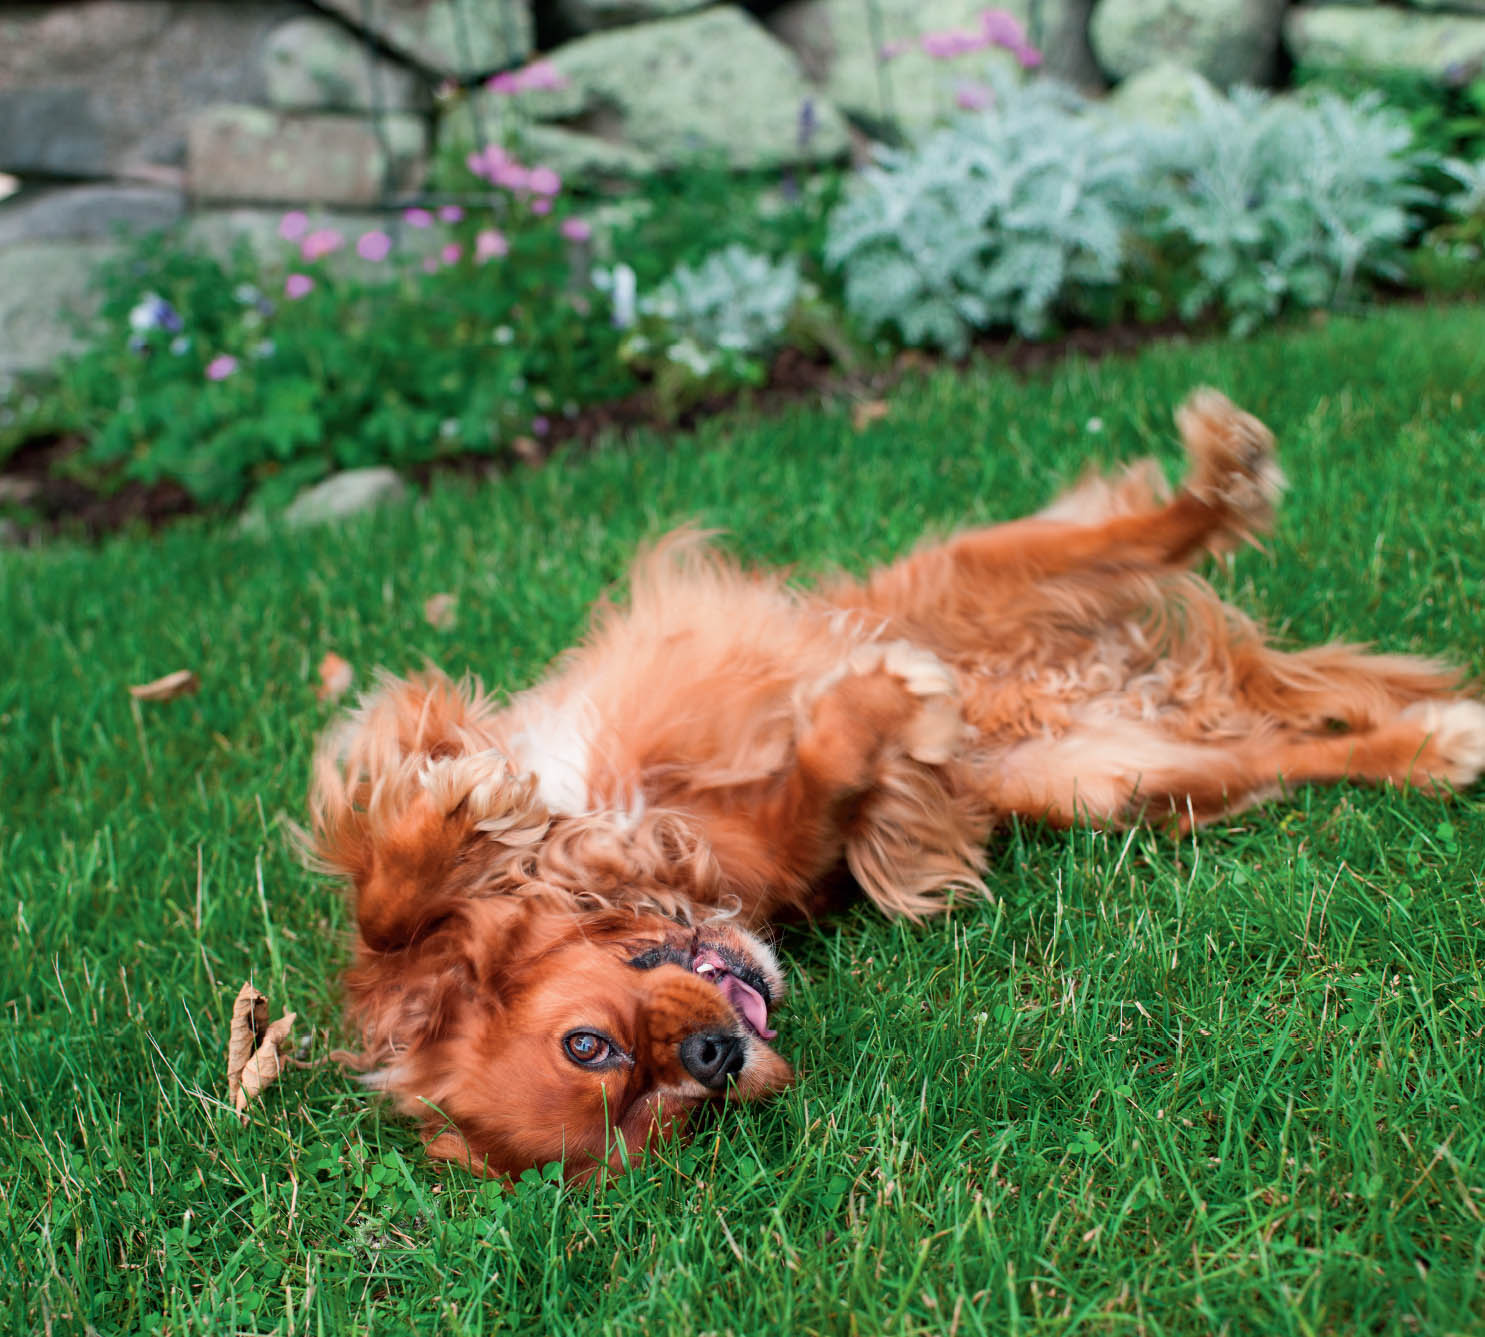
335	677
867	411
180	683
527	449
439	611
253	1057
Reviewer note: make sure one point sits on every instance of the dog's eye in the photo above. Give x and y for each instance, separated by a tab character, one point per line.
586	1048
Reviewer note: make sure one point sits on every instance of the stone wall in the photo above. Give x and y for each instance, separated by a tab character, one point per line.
132	114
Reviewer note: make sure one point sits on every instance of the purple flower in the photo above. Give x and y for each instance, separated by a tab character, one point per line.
541	425
544	181
221	367
297	286
153	312
575	229
293	225
374	246
490	245
450	213
541	205
451	253
504	82
417	218
320	242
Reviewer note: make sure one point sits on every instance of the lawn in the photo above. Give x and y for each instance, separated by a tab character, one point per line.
1231	1083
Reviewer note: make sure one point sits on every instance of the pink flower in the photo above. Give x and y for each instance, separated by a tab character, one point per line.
544	181
430	264
297	286
221	367
417	218
451	213
490	245
540	74
320	242
1004	29
293	225
451	253
486	162
374	246
575	229
541	205
511	175
953	42
973	96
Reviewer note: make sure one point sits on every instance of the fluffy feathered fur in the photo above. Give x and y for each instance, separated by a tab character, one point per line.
540	881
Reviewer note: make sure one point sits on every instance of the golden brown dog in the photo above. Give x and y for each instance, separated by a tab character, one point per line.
554	895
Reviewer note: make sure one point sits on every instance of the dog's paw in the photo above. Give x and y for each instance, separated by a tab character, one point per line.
1232	464
936	732
1455	748
483	789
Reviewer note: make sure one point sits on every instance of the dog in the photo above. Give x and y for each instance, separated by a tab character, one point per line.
557	898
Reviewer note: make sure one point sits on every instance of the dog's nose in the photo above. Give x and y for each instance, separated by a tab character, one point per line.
713	1058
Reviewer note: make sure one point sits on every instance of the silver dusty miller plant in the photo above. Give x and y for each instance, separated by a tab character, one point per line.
988	221
1284	200
735	300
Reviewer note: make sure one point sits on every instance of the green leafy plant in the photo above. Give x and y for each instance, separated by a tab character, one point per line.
1285	201
992	220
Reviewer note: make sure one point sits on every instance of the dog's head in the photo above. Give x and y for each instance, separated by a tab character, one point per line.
523	1035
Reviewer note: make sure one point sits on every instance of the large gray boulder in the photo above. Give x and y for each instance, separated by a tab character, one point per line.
879	73
93	213
251	153
1227	41
106	87
1446	47
449	37
315	64
1163	94
44	287
711	82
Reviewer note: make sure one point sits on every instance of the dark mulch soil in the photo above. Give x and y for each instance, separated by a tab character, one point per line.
51	502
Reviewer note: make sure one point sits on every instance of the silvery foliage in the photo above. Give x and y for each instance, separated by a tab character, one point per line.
1470	201
1285	200
989	220
735	300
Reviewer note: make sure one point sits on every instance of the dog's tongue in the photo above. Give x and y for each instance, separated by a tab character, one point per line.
742	995
747	1000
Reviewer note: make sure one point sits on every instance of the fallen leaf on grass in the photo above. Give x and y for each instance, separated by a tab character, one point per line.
335	677
180	683
253	1058
439	610
867	411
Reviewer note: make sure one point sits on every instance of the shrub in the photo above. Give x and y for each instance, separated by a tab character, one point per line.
1285	201
991	220
205	373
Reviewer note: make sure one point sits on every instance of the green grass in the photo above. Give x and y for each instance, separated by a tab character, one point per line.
1234	1083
